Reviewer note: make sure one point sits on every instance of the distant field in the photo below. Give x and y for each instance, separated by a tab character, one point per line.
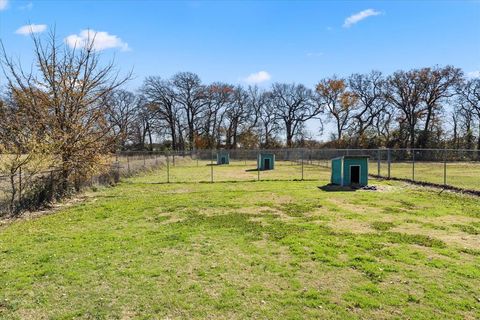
235	250
459	174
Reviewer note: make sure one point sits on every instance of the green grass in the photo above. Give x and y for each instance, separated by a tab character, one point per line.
268	249
459	174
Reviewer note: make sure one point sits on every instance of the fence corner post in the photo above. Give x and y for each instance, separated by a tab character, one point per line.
168	167
445	167
379	153
413	164
389	160
211	166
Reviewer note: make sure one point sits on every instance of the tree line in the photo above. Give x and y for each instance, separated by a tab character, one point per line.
432	107
72	107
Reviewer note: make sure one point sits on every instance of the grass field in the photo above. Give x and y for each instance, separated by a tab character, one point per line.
270	249
459	174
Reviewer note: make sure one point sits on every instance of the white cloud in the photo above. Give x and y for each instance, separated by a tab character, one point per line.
474	74
258	77
28	6
3	4
359	16
102	40
31	28
314	54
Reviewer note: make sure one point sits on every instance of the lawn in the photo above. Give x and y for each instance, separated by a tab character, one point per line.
459	174
247	249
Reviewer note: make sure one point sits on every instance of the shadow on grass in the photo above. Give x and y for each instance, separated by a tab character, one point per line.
336	188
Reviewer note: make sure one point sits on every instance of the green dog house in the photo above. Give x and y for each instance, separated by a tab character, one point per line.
350	171
223	158
266	161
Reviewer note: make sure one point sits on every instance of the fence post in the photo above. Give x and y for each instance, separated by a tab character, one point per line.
378	162
196	155
168	167
144	161
211	166
302	155
413	165
258	167
20	185
52	188
128	164
445	167
389	161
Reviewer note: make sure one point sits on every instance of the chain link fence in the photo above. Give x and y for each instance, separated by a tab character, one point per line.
453	169
459	169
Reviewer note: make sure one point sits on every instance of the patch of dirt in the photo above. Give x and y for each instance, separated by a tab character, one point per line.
453	238
51	209
336	282
349	225
354	208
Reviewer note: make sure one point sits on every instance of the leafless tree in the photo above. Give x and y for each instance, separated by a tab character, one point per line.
295	105
121	109
64	97
470	100
369	91
404	92
438	85
268	119
191	95
220	95
237	113
338	101
161	99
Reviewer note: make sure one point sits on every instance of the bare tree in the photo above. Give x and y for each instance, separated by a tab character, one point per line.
219	97
295	105
404	92
470	96
268	119
191	95
339	102
161	99
65	98
237	113
369	91
438	85
121	108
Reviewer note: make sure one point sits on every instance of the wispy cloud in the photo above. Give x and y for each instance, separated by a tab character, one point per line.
359	16
314	54
31	28
3	4
101	40
258	77
28	6
474	74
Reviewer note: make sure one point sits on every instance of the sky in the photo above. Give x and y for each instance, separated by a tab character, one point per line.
255	42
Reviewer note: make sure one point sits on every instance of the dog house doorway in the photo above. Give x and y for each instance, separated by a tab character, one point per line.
355	174
266	164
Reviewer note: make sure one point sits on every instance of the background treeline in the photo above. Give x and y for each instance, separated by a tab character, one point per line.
433	107
70	112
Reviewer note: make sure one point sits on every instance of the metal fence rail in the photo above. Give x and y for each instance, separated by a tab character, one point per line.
459	169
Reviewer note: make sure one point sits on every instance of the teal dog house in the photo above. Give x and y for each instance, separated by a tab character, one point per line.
266	161
223	158
350	171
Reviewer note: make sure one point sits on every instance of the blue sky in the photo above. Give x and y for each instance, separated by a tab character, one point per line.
258	41
289	41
